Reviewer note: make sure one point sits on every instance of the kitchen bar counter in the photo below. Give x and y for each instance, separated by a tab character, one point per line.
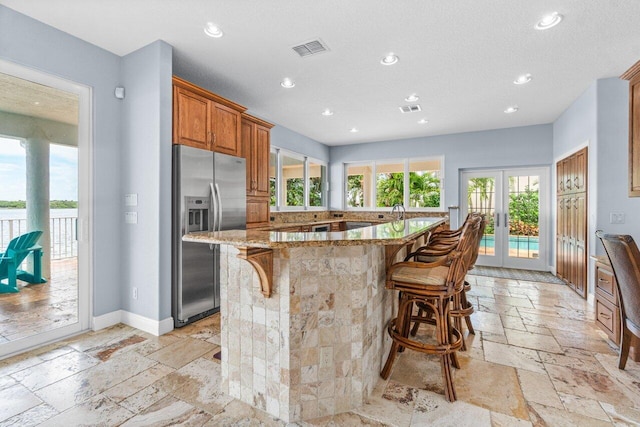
390	233
316	345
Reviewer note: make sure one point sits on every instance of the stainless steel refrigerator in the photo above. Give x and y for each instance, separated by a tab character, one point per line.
208	194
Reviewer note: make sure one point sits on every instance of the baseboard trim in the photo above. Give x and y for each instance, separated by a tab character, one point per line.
154	327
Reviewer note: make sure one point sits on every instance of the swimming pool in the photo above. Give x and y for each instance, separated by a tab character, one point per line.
522	243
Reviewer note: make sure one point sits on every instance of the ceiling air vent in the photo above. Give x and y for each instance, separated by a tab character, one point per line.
313	47
410	108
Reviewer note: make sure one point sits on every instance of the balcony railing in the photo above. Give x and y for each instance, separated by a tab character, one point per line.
63	235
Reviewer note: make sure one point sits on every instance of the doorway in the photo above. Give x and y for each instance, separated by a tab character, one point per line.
515	202
45	158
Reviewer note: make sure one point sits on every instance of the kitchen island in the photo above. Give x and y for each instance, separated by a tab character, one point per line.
303	322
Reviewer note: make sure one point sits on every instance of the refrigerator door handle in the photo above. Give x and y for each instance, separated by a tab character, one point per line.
219	207
214	209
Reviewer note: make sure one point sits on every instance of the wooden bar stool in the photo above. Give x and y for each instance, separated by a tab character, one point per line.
434	285
439	245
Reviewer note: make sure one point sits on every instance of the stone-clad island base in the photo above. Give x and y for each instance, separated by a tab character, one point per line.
309	339
316	346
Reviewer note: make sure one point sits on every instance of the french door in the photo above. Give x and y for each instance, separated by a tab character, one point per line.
515	202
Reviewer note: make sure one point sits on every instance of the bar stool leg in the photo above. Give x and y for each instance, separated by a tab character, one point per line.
443	335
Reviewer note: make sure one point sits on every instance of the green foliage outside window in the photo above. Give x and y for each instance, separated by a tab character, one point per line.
315	191
272	191
424	189
523	212
355	195
295	192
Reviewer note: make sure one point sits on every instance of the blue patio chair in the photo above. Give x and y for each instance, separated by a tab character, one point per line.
11	259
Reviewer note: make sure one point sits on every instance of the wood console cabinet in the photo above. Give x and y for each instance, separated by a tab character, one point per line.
202	119
571	221
608	306
256	148
633	75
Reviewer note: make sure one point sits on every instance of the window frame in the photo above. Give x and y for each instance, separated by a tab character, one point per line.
406	196
280	196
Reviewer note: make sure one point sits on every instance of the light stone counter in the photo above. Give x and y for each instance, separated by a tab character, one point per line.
315	347
389	233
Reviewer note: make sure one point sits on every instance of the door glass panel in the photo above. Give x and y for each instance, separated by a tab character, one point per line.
524	207
39	193
481	197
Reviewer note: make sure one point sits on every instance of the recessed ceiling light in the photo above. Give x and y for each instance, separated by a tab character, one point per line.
549	21
36	103
389	59
525	78
511	109
327	112
354	130
287	83
423	121
412	98
212	30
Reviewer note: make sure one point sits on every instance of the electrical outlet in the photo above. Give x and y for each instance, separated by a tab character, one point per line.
616	217
135	293
131	217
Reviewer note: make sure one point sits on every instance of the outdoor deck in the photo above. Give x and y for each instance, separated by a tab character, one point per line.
38	308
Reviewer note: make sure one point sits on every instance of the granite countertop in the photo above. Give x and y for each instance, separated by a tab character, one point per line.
389	233
276	227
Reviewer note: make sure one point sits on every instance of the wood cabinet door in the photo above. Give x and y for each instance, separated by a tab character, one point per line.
190	119
225	124
247	137
580	171
560	221
560	178
634	136
257	212
261	161
568	166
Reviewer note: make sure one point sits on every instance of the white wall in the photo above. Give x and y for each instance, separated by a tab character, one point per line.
28	42
145	169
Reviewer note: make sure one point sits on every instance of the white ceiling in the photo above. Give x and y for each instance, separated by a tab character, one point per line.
460	57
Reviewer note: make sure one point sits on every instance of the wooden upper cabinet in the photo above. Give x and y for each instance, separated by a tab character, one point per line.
205	120
225	125
190	119
256	148
633	75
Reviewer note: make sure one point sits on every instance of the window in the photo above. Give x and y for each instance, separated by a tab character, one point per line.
414	183
317	178
273	171
292	180
389	184
297	181
424	183
358	189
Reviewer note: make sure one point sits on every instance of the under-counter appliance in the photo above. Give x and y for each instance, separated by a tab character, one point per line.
208	194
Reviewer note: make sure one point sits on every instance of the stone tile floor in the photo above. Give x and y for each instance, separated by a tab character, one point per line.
537	359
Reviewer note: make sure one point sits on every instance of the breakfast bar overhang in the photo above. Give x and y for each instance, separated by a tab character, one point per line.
303	315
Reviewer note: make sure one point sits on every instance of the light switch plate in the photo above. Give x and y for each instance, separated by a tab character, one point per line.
616	217
131	217
131	199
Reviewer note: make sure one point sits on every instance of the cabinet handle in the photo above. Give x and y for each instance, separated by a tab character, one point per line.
604	315
214	139
601	280
575	182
